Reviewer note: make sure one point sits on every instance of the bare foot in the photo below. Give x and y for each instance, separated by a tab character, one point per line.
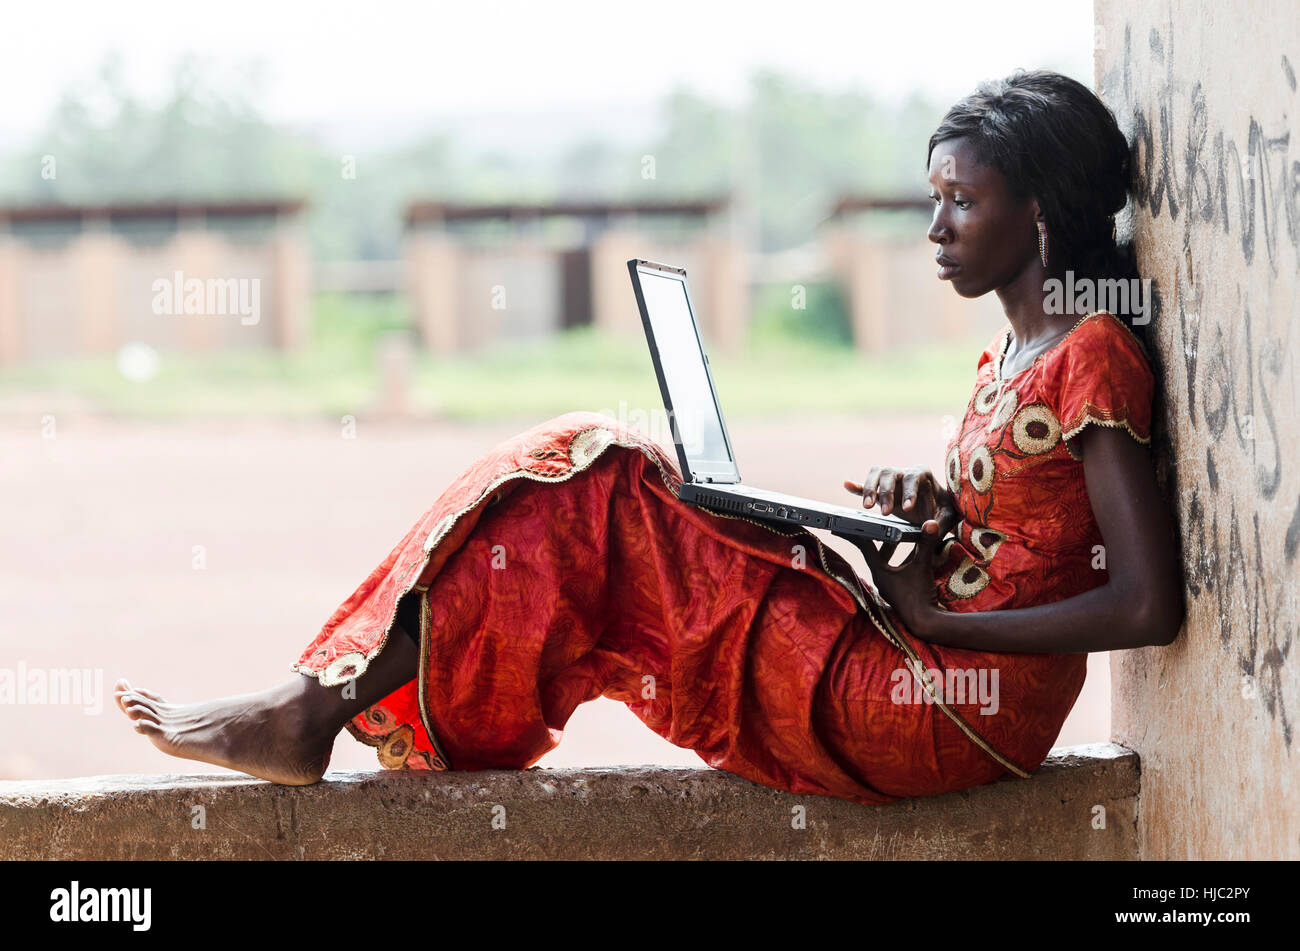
270	735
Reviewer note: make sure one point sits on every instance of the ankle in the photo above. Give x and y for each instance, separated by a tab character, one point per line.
309	711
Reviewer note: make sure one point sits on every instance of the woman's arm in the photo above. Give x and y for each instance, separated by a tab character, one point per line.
1141	605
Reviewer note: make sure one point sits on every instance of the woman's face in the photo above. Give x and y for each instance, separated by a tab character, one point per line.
977	223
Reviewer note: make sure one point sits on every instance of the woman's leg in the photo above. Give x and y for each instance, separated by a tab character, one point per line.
284	734
713	632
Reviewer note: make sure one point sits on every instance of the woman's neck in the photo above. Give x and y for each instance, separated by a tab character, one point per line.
1023	303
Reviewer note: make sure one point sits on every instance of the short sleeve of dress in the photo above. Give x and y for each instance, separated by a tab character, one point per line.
1105	379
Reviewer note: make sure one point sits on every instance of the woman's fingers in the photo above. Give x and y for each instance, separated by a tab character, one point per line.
877	558
921	490
902	489
948	518
887	488
940	523
869	486
911	485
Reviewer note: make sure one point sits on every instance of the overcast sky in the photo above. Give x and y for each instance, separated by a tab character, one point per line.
398	60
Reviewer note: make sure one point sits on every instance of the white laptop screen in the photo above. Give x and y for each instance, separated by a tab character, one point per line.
697	418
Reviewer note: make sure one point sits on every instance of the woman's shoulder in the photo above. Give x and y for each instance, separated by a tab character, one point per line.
1102	375
1096	340
1103	341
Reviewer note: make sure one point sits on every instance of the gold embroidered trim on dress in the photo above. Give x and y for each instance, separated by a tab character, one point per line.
1119	422
1006	343
421	674
1103	420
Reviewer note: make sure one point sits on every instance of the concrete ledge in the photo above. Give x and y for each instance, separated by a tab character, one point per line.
639	812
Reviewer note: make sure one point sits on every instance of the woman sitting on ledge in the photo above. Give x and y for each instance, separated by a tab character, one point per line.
560	566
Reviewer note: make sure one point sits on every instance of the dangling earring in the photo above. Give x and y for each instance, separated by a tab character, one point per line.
1042	242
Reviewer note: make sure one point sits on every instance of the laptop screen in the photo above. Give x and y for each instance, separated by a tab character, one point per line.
696	416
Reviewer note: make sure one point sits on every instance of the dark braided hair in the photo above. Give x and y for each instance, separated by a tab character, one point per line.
1054	140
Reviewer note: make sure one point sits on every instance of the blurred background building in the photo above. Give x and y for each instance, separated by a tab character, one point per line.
479	274
80	279
88	279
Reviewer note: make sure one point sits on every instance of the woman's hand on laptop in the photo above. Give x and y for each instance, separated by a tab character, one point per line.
913	495
908	587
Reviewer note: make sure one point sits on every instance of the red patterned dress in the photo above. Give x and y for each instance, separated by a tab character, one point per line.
560	567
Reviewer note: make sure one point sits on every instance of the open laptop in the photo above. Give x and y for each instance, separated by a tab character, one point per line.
711	478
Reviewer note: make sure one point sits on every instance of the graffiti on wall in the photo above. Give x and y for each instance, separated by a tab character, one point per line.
1230	190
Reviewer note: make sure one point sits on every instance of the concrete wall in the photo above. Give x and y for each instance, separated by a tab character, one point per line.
1210	102
1081	804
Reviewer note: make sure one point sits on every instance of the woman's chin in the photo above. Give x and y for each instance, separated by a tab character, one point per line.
963	287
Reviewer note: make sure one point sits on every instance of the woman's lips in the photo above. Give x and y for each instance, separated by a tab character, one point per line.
946	271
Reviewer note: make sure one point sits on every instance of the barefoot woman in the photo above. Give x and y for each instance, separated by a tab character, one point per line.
560	566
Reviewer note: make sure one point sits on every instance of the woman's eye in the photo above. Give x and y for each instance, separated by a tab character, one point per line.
962	203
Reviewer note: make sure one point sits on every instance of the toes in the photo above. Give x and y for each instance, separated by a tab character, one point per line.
140	699
120	690
123	686
148	728
138	711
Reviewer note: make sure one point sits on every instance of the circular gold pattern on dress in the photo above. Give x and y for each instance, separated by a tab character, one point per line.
343	668
954	468
968	579
980	469
1036	429
986	541
589	444
1006	406
985	397
396	747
